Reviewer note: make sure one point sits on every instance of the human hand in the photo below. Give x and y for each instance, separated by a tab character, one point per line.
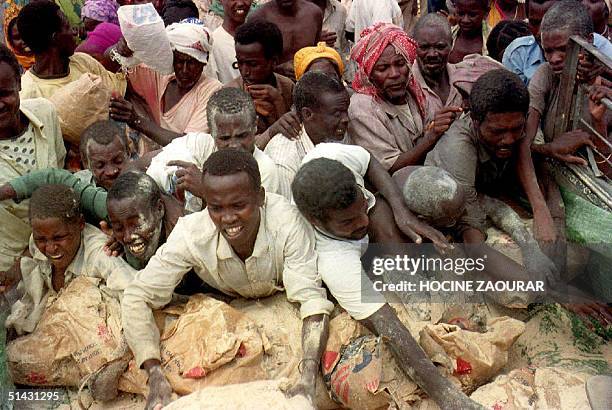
269	98
416	229
112	247
537	263
596	108
588	69
160	391
328	37
122	110
565	145
123	49
188	177
288	124
7	192
443	120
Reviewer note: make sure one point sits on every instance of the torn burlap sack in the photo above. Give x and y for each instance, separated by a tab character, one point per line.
535	388
471	357
79	331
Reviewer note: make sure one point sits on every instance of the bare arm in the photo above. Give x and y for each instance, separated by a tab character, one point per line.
315	330
543	223
414	362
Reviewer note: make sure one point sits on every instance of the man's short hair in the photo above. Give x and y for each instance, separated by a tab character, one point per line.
55	201
230	101
433	20
498	91
37	23
504	33
176	10
568	15
135	185
263	32
101	132
427	188
230	162
321	185
309	89
7	57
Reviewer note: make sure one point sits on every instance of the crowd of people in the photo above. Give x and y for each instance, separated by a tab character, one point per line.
289	135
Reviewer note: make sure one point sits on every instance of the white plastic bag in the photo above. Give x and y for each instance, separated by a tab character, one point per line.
145	34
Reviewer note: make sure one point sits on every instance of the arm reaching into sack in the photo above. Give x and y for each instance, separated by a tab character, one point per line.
315	330
414	362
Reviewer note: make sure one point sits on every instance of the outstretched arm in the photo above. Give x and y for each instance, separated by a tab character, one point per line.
414	362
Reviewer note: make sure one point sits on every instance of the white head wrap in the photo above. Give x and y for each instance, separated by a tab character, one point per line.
191	39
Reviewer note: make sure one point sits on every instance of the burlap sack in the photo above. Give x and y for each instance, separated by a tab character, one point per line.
471	357
260	395
80	104
535	388
79	331
210	344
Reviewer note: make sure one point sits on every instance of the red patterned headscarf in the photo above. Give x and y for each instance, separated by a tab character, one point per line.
368	49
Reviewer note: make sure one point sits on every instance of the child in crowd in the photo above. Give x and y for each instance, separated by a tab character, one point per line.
62	247
471	32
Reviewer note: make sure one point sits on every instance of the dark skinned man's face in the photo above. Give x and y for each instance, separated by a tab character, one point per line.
254	67
434	46
390	76
349	223
501	132
233	204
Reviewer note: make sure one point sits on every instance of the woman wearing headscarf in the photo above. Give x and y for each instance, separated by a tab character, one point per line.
176	102
319	58
101	23
12	38
388	108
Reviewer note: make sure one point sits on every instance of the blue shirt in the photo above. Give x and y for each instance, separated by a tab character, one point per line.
523	56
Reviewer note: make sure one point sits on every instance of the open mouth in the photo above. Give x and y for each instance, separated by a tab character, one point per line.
233	232
55	257
137	248
241	11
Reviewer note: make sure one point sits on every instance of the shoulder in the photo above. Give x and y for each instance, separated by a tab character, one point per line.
263	160
457	139
207	86
283	216
542	76
602	44
308	7
284	81
38	106
522	42
339	152
85	60
194	228
40	109
363	104
93	238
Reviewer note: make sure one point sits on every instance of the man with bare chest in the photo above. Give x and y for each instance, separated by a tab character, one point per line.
300	21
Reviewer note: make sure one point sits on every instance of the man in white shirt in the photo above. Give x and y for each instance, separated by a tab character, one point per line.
364	13
232	118
247	243
330	193
321	104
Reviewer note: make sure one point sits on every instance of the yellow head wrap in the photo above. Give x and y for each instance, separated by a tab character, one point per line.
305	56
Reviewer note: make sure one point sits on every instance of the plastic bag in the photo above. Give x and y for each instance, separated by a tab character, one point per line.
145	34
